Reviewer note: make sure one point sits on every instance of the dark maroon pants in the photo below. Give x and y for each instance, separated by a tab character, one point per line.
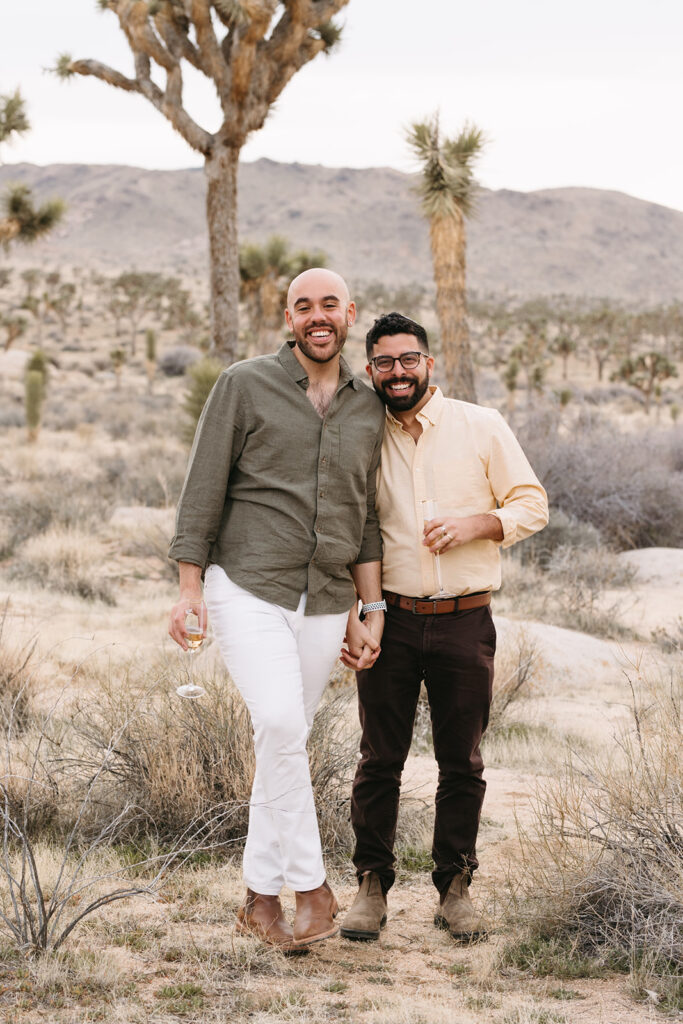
453	653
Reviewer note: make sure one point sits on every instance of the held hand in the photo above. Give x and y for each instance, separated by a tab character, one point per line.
448	532
362	640
176	622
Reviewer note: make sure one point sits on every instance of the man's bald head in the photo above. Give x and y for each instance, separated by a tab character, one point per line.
315	279
319	313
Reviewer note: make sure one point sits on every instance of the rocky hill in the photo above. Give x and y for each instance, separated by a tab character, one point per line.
574	240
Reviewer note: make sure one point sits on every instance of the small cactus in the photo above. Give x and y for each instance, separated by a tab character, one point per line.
35	389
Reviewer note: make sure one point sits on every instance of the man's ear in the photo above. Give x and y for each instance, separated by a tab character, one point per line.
351	314
368	370
288	319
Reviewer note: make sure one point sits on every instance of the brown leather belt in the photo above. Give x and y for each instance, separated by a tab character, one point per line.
440	606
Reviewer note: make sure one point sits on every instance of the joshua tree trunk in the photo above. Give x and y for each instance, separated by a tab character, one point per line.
447	235
221	215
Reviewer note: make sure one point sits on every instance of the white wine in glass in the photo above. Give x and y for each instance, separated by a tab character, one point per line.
430	511
194	635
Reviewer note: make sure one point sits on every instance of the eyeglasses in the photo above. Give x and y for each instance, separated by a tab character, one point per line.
408	360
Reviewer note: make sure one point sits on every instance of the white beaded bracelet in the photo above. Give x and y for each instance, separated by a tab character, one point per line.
374	606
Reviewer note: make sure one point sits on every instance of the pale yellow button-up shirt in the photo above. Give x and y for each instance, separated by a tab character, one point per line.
470	462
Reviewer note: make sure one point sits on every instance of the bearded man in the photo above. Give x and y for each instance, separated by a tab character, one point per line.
277	515
464	458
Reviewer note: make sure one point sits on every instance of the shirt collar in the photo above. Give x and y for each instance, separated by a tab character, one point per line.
297	372
429	414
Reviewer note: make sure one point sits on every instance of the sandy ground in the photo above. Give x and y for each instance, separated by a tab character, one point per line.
415	974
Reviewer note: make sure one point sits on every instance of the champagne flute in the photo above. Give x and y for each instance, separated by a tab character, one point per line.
194	635
429	511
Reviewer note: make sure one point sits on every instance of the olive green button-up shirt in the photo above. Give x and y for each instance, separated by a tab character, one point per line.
283	500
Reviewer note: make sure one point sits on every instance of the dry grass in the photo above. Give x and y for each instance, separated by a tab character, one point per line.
66	559
605	865
16	681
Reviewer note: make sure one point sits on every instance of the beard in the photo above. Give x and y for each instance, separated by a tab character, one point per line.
402	403
322	353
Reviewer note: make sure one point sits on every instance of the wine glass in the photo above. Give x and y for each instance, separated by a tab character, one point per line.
429	511
194	635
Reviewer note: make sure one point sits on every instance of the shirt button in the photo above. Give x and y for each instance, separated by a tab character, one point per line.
322	494
324	460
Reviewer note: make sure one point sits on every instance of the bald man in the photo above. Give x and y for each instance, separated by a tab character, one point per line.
277	517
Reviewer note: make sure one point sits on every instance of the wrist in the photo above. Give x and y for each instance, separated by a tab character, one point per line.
372	607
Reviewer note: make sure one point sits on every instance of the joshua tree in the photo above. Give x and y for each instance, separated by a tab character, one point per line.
118	361
138	293
448	192
24	221
13	119
646	372
61	303
14	326
564	346
249	50
265	272
510	380
530	353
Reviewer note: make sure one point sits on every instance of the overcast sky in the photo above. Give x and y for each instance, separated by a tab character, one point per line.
587	92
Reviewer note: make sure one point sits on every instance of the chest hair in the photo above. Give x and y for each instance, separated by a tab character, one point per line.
320	396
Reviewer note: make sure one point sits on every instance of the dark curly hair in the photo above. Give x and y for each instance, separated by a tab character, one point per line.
394	323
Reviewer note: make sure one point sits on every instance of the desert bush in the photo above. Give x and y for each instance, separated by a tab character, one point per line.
16	681
602	868
628	486
175	362
566	585
562	531
150	475
65	559
203	376
578	579
176	759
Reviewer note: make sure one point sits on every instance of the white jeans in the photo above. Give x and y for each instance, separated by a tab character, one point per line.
280	662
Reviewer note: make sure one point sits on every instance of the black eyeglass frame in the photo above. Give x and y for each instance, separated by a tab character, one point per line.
397	359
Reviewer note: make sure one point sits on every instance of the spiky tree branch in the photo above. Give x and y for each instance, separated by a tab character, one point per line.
264	43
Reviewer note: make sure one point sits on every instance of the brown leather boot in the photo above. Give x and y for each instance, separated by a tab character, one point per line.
262	916
314	918
368	914
456	913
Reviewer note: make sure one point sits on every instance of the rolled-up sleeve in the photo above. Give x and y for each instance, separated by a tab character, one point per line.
523	501
217	443
371	545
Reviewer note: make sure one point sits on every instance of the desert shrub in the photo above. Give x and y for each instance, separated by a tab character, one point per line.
16	681
65	559
151	475
628	486
563	531
57	500
566	585
175	362
578	579
203	376
603	865
174	759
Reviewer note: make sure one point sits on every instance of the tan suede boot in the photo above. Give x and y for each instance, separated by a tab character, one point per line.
456	912
368	914
262	916
314	918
